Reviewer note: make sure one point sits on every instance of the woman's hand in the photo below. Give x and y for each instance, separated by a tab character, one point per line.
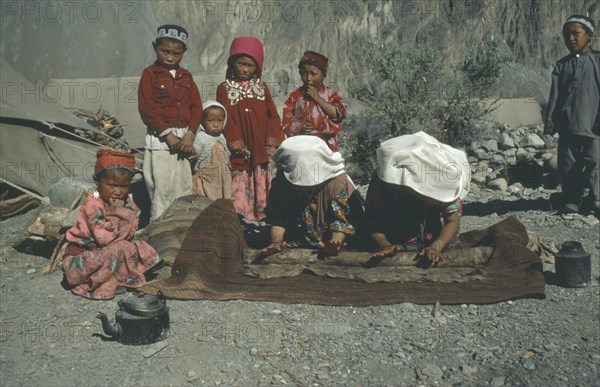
433	252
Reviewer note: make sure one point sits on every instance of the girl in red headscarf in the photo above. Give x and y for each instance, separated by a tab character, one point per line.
102	254
253	129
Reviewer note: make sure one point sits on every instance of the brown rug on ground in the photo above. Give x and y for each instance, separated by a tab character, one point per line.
210	266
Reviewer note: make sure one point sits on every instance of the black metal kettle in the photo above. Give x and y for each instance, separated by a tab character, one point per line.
572	265
141	319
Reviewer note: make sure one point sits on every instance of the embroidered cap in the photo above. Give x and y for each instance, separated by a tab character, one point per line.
307	161
108	159
315	59
421	162
581	20
172	31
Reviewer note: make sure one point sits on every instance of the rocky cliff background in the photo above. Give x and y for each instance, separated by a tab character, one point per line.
98	39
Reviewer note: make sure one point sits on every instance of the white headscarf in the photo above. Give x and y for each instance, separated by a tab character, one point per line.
204	142
424	164
307	161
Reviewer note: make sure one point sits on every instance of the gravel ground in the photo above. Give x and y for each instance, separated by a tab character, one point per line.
50	337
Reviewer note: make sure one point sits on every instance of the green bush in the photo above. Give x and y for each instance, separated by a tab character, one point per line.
411	90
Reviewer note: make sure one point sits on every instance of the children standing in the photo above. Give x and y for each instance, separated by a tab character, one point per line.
101	253
212	169
253	129
170	105
573	112
314	109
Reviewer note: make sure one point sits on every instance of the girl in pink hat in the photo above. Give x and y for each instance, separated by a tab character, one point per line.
253	129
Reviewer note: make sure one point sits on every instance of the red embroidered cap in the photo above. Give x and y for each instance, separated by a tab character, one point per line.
315	59
108	159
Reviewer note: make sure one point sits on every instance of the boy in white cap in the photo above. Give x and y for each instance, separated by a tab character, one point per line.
573	111
415	197
309	199
170	105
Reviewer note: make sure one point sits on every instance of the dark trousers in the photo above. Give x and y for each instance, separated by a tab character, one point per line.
578	167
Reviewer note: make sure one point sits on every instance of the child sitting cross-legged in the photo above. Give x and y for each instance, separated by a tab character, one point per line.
102	253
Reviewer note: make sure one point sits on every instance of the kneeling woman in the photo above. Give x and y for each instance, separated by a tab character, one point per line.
415	198
308	203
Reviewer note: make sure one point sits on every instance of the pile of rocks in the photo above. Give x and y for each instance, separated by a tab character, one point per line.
515	162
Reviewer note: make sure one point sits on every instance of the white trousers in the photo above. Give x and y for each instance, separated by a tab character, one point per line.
167	178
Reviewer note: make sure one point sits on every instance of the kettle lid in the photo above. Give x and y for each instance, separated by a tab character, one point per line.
145	305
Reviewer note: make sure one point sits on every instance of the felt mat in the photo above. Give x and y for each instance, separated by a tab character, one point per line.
210	265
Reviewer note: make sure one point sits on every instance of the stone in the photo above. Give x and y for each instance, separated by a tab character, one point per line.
528	364
509	152
522	154
533	140
65	191
490	145
498	184
472	159
505	141
30	271
482	154
497	160
70	219
466	370
478	178
497	381
433	371
515	188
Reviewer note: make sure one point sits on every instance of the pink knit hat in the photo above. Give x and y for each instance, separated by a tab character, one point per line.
247	45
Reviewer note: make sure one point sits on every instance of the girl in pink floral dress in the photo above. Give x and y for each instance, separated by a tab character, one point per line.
101	253
253	129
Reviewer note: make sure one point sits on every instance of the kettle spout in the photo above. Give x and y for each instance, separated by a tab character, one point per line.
111	330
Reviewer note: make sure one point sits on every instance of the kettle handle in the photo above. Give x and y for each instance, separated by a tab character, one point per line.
161	297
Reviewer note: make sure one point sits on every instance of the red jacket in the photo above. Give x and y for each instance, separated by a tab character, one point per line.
167	102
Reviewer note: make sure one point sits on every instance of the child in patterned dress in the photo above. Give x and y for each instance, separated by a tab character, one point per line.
102	253
314	108
253	129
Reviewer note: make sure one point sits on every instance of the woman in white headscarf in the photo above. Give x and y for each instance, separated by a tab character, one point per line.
415	197
309	198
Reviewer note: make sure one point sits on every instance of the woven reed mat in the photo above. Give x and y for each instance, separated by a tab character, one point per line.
210	265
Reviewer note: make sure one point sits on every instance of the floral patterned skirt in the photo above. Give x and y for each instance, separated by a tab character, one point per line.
250	192
96	273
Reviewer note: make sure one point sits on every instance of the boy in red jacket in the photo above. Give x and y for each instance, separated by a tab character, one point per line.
170	105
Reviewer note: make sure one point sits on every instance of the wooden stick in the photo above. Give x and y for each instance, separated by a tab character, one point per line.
54	258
